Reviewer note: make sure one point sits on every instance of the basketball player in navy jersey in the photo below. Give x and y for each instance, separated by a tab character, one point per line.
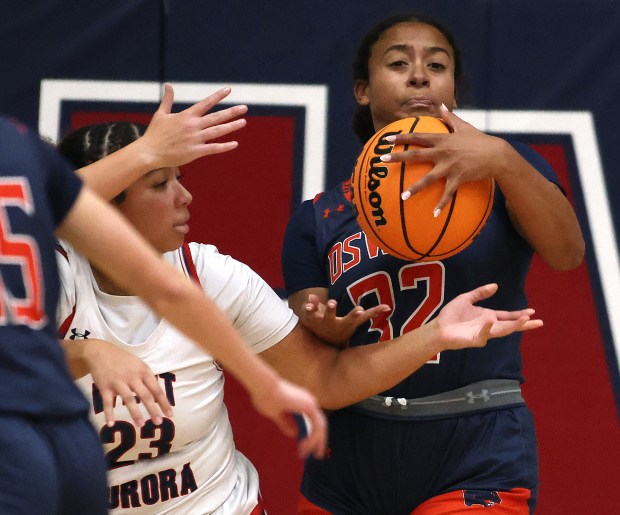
51	458
456	435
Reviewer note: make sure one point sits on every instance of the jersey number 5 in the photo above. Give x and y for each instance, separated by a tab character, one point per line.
21	250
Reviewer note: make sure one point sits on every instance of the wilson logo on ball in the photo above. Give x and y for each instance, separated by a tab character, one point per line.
407	229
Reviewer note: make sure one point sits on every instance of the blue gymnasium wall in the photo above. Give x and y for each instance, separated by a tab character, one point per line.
558	60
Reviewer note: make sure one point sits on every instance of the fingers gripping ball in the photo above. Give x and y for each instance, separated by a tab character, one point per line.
408	229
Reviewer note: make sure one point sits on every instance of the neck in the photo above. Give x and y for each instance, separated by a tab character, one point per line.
106	284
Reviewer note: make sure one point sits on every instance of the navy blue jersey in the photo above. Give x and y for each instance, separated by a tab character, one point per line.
37	189
325	247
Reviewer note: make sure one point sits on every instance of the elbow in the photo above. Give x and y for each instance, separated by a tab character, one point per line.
330	404
567	257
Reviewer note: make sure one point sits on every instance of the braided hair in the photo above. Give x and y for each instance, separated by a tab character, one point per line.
91	143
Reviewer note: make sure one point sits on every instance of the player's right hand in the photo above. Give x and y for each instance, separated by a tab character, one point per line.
174	139
320	317
117	372
284	404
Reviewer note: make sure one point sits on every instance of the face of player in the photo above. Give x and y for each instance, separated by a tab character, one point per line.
157	205
411	73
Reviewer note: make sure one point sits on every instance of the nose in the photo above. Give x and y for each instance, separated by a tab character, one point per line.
418	76
184	197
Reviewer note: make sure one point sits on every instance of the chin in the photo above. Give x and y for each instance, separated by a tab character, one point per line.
170	246
425	111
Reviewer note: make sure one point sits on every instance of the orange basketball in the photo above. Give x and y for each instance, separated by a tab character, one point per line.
407	229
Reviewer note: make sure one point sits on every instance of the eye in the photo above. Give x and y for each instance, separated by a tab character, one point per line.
398	64
437	66
160	185
180	177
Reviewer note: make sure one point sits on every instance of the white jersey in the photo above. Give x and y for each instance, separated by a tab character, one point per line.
197	467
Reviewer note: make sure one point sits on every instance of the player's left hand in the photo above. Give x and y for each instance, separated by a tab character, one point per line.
462	324
322	320
464	155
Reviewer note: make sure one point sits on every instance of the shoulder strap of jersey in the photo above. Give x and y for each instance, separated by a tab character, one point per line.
188	263
66	324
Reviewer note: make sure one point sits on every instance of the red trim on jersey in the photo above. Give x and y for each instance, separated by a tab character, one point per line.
186	254
259	509
347	190
66	325
61	250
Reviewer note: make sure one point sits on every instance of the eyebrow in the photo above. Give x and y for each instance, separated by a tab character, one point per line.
405	48
152	172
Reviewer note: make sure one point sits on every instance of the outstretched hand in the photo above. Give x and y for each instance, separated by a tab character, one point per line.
322	320
286	402
174	139
462	324
117	372
464	155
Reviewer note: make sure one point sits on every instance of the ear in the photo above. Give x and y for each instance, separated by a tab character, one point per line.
360	90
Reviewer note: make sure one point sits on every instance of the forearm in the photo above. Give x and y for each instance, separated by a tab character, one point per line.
539	210
74	354
114	173
371	369
340	378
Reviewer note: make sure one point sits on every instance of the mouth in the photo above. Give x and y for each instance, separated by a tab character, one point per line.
419	103
182	226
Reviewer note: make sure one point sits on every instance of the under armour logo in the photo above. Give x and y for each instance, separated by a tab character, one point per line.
328	211
488	499
484	395
76	335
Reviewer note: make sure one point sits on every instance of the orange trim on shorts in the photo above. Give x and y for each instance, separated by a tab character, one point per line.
511	502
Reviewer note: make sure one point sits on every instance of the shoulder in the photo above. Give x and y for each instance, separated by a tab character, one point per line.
534	159
70	264
208	257
338	194
334	199
219	271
